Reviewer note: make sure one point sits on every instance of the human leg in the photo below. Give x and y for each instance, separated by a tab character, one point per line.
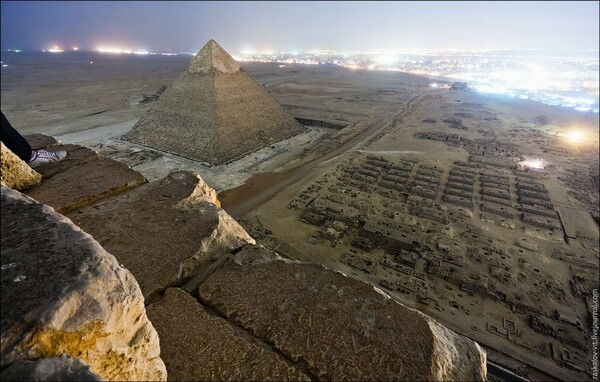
14	141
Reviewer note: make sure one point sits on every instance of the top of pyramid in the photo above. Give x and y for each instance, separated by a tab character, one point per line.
213	56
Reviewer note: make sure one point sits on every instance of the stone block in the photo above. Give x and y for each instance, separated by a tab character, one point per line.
199	346
164	232
62	293
340	328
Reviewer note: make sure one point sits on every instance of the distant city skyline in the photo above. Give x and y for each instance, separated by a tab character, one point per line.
299	26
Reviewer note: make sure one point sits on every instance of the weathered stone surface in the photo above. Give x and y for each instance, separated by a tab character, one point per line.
62	368
62	293
16	173
214	112
202	192
40	141
82	178
76	155
339	327
164	231
198	346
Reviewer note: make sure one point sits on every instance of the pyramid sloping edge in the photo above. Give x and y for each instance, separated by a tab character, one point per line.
212	115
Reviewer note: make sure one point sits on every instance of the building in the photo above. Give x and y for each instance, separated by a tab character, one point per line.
390	237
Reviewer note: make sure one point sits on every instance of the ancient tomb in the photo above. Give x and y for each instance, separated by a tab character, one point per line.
213	112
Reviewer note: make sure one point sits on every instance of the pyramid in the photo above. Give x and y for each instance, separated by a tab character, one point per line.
213	112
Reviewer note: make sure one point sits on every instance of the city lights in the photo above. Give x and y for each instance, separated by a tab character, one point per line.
386	59
113	50
55	49
560	80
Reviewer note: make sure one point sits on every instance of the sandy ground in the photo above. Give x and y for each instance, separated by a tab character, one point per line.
92	100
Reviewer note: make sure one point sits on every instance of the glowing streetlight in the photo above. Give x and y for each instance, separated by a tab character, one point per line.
56	49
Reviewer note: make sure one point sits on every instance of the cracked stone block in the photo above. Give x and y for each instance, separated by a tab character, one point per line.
76	155
82	178
15	172
199	346
40	141
337	327
165	231
62	293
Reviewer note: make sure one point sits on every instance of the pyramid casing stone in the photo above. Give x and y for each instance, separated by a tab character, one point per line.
213	112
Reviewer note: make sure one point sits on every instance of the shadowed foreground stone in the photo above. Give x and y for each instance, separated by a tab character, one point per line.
62	368
82	178
199	346
341	328
62	293
16	173
163	231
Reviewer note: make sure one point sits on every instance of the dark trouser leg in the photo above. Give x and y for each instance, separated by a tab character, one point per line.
14	141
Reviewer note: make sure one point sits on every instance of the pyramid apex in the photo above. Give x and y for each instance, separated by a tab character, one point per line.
213	57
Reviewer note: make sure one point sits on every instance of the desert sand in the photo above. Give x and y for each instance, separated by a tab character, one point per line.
383	148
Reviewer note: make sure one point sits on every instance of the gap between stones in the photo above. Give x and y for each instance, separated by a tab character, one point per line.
191	285
250	336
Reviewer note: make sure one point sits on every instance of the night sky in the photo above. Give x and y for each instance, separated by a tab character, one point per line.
296	26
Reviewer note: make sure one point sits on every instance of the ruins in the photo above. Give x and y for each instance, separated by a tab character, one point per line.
457	205
213	112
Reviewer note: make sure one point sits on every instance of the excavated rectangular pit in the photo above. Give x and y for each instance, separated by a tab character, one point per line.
321	123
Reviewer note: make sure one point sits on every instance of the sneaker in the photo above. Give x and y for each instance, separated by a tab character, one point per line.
41	157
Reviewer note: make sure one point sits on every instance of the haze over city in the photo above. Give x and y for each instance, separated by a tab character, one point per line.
547	52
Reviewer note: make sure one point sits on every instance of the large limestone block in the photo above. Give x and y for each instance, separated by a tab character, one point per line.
16	173
198	346
341	328
164	232
40	141
62	293
82	178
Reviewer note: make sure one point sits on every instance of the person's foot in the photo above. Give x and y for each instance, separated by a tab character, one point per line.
41	157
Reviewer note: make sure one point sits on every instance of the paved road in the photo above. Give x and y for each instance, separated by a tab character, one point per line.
261	187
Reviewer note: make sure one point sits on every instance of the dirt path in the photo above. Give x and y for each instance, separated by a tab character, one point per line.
287	105
260	188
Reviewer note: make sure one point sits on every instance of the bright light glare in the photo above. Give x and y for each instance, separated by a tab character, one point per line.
112	50
535	163
55	49
574	136
386	59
